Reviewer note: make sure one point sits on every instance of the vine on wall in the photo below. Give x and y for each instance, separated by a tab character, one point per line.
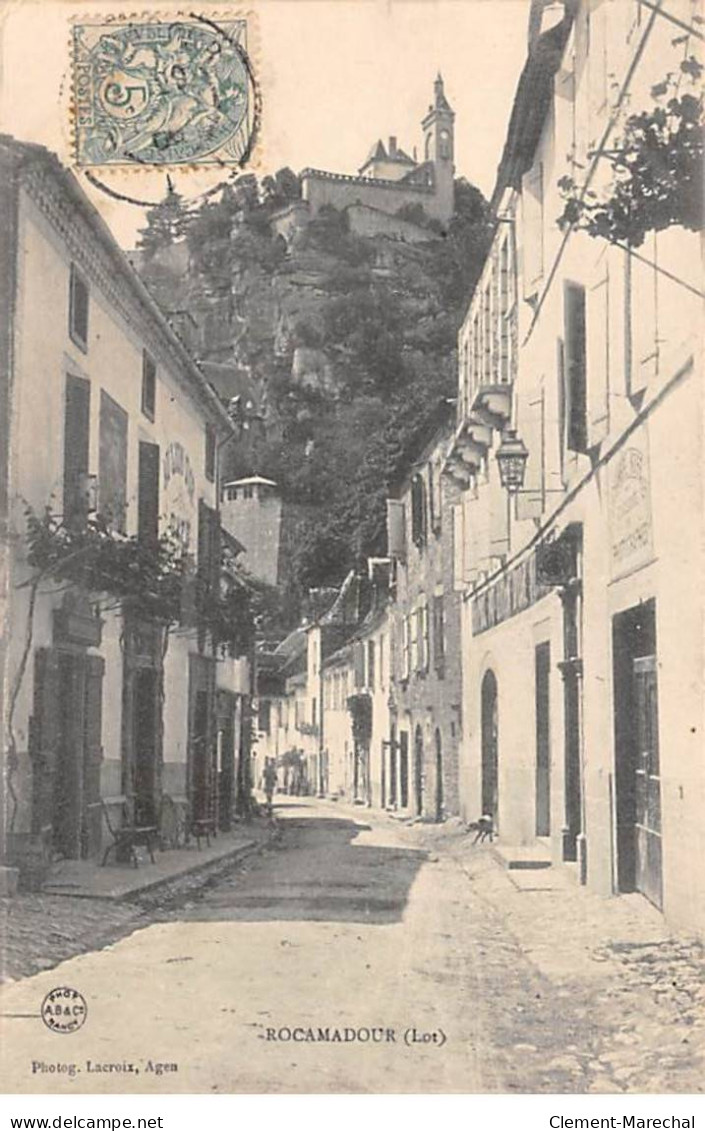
657	168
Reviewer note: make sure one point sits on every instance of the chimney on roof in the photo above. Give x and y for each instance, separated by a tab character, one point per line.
392	147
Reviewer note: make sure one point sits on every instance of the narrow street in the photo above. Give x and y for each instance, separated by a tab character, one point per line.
357	950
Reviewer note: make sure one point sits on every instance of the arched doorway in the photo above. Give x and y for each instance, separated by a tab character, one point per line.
418	767
439	776
490	799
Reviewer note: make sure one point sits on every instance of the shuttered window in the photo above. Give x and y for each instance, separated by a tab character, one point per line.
423	638
439	632
406	647
210	453
148	493
359	664
413	621
396	535
575	367
209	564
149	385
598	359
418	510
530	420
371	664
76	446
641	284
78	308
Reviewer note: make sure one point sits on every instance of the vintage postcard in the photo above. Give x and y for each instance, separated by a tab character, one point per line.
351	555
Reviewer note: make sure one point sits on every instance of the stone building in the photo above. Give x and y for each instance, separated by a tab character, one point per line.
420	770
387	181
251	510
105	413
577	448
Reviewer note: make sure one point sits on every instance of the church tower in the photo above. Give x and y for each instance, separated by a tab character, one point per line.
439	140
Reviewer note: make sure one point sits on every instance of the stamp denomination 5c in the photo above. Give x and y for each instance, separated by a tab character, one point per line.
162	92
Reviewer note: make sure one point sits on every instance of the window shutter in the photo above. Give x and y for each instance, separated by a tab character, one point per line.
396	535
76	445
406	647
359	664
642	283
148	493
418	510
414	641
498	516
439	646
210	453
531	427
424	629
532	205
370	664
458	547
598	359
78	308
575	359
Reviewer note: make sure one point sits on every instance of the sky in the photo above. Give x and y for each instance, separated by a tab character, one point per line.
335	75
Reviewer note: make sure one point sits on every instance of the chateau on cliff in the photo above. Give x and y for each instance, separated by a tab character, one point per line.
389	180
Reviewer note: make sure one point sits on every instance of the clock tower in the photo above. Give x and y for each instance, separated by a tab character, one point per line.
439	141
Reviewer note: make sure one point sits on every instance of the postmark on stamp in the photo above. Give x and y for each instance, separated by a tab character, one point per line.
160	92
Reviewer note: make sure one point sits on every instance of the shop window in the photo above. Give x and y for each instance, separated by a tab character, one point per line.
78	308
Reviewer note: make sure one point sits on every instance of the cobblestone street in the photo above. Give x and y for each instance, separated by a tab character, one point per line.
351	921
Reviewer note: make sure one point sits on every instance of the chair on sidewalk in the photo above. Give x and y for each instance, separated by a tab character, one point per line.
177	827
127	836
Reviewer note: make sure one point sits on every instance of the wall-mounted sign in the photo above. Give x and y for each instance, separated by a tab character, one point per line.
176	462
179	489
629	495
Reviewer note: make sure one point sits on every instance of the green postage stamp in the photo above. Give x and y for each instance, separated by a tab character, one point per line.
163	92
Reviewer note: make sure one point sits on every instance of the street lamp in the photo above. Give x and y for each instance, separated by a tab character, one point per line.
512	455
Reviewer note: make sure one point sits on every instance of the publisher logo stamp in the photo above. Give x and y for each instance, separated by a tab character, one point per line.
64	1010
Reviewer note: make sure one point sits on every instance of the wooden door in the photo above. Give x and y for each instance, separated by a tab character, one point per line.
404	769
200	806
418	770
439	777
490	756
649	880
144	744
68	783
91	826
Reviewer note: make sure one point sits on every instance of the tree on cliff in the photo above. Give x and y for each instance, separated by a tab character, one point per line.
166	223
352	340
